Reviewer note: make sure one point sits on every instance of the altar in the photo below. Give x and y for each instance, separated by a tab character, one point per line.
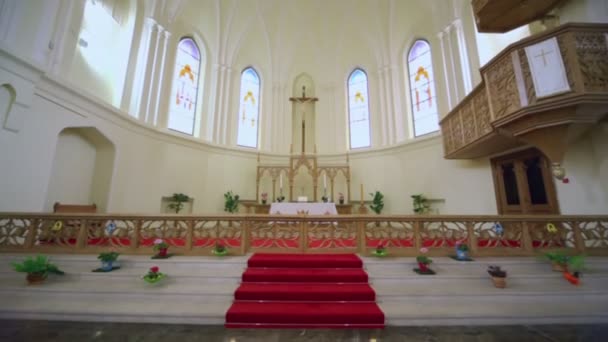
282	208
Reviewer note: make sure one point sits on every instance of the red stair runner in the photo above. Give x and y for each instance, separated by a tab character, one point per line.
305	291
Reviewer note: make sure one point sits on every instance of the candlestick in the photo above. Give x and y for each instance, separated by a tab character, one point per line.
361	193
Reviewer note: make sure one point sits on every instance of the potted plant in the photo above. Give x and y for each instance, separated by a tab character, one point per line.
177	202
153	275
160	247
37	269
231	202
264	197
380	251
498	276
421	205
107	260
576	264
220	249
341	197
462	251
280	198
377	202
559	261
325	199
423	263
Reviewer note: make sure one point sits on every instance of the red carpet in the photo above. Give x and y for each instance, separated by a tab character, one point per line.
305	291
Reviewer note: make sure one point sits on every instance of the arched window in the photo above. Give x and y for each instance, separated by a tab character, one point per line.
422	87
249	110
184	93
358	109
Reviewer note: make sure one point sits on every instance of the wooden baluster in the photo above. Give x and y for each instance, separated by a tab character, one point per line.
361	239
417	236
579	238
303	236
244	237
471	237
136	235
526	239
189	234
81	240
30	238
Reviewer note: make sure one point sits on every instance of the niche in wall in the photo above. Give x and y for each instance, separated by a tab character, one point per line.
82	168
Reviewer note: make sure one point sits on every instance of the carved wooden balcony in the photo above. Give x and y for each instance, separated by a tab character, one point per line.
547	105
504	15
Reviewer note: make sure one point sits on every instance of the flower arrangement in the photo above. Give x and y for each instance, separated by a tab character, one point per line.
280	198
107	261
153	275
423	262
220	249
462	251
264	197
160	247
324	199
341	197
380	251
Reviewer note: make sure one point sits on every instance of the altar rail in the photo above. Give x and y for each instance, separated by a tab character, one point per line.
402	235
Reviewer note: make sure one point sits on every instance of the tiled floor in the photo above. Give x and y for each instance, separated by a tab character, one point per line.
31	331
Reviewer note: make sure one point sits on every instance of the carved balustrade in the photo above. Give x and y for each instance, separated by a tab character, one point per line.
505	111
401	235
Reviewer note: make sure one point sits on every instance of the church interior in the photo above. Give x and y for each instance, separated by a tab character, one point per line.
304	164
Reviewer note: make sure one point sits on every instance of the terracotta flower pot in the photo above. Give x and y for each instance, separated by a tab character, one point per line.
500	283
423	267
36	278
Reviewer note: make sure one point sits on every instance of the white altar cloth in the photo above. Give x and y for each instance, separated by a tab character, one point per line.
312	208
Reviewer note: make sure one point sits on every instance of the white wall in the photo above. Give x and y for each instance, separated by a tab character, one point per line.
72	171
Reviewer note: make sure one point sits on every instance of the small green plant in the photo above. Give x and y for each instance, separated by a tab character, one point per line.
377	202
177	202
495	271
462	247
39	265
574	263
421	205
423	259
231	202
558	258
108	256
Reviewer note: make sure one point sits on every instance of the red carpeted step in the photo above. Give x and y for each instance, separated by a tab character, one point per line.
305	275
304	314
305	292
305	260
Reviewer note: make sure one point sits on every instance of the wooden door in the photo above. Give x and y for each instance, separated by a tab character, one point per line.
523	184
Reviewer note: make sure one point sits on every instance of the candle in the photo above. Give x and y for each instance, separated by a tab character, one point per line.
324	181
361	192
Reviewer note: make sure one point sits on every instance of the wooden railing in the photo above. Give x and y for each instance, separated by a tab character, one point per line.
402	235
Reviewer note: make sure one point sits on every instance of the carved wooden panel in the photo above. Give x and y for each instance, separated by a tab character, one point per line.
446	132
500	80
467	114
592	52
457	131
482	112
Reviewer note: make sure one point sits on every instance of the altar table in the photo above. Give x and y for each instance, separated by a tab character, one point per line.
312	208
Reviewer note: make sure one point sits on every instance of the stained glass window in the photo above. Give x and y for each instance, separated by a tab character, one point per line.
182	111
422	86
249	109
358	109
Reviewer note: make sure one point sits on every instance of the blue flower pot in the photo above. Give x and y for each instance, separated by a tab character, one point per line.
107	265
462	255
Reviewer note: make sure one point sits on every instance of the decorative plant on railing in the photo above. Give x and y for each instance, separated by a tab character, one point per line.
377	202
380	251
231	202
421	205
177	202
37	269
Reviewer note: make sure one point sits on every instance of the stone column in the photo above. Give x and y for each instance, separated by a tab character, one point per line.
441	36
144	74
464	57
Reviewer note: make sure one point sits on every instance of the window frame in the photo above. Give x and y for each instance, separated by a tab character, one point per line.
411	88
259	107
369	119
198	84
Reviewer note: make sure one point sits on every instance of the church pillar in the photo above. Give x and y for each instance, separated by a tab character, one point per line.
451	57
390	112
149	104
159	113
383	109
441	36
65	36
226	117
399	124
144	69
464	57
